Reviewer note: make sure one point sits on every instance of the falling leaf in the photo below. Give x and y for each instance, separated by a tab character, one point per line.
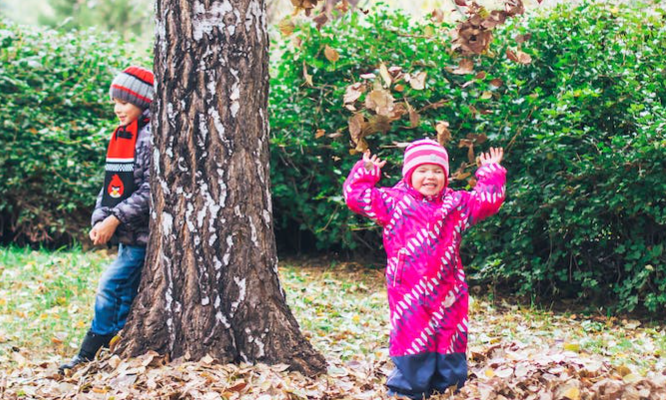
437	15
399	88
380	101
465	67
443	133
575	347
384	73
355	127
331	54
523	38
486	95
496	82
429	31
353	92
319	133
286	27
308	77
480	76
418	82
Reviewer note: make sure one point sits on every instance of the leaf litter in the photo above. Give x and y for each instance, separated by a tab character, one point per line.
513	353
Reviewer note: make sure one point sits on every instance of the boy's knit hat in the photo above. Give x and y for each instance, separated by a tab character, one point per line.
424	151
134	85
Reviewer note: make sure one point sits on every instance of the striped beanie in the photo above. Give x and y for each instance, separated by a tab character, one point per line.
424	151
134	85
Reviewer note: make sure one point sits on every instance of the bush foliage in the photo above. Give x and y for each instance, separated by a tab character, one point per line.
582	126
56	118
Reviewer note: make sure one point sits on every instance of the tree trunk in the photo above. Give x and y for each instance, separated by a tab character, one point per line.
210	284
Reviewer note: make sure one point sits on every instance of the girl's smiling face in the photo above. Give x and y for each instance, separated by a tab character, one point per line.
126	112
428	179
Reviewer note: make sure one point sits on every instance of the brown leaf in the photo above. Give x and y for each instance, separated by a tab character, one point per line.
523	38
524	58
465	66
511	55
286	27
399	88
353	92
319	133
437	15
356	127
380	101
418	82
480	76
443	133
308	77
496	82
414	117
331	54
320	20
461	3
470	154
377	123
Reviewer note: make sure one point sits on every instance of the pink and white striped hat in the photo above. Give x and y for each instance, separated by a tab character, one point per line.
424	151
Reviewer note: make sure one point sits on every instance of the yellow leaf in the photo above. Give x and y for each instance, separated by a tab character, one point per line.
486	95
383	71
286	27
429	31
356	319
573	393
80	324
575	347
331	54
490	373
99	390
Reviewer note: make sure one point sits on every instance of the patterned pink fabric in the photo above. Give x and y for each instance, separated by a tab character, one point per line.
427	292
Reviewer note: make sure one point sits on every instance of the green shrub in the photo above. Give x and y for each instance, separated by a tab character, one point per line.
582	126
55	121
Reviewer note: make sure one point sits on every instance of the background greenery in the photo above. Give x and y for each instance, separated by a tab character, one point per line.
582	126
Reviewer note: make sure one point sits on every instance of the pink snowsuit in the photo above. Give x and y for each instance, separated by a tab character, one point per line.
427	292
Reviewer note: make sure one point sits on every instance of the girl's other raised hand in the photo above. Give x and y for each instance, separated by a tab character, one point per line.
494	156
371	161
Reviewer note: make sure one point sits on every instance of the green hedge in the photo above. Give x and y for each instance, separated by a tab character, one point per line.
55	120
582	126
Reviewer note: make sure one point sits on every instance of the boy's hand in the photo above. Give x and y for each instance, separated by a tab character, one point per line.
372	160
102	232
494	156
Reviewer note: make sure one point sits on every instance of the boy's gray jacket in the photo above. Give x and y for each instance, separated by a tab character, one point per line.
132	212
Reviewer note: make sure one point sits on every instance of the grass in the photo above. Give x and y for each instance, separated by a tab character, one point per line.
46	301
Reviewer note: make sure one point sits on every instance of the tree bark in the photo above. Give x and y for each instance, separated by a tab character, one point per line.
210	284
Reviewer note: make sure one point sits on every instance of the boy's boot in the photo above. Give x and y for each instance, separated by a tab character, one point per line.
92	342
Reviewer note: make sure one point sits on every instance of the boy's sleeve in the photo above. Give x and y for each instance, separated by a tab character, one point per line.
134	209
363	197
100	213
488	194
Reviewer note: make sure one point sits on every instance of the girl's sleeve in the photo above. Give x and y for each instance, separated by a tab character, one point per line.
488	194
363	197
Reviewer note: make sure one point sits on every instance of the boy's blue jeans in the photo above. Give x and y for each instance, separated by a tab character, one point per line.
117	289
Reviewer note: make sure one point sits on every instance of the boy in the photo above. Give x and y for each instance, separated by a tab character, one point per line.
121	210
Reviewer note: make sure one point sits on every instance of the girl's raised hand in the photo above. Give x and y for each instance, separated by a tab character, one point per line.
494	156
372	160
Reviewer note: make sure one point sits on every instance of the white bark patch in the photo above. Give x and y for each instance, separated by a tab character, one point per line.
241	294
235	94
227	253
204	21
217	302
256	341
253	233
203	129
167	223
217	264
217	122
255	16
212	239
188	217
205	301
221	318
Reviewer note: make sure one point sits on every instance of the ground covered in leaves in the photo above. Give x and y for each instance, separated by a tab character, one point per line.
514	353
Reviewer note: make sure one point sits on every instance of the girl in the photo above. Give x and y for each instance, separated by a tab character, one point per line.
423	222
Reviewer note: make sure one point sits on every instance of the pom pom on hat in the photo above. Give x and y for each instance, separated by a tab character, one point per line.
134	85
424	151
